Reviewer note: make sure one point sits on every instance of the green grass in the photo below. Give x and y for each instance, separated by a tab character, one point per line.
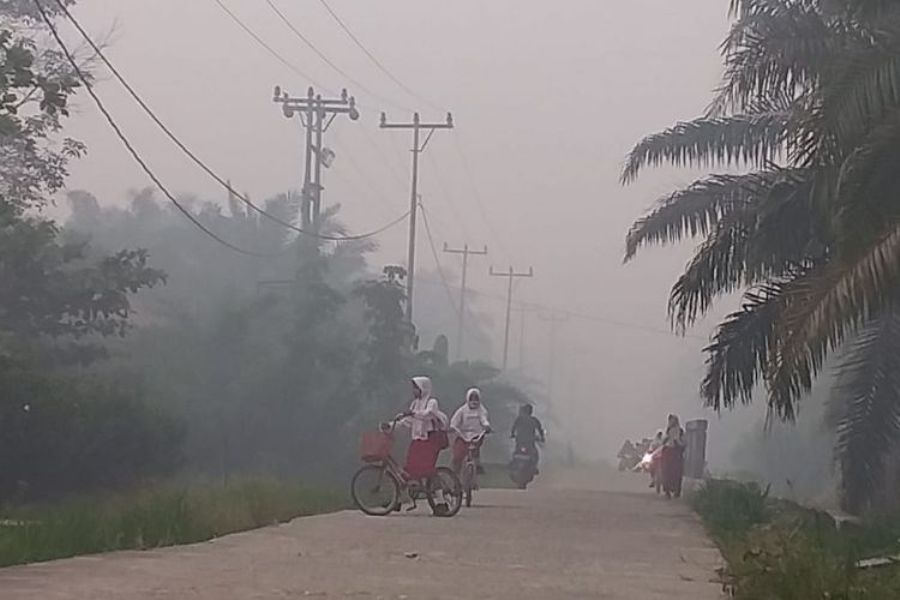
154	517
779	550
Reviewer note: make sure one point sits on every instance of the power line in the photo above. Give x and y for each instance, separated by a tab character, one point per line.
299	34
246	28
596	318
199	162
309	43
372	56
445	196
477	194
437	260
128	146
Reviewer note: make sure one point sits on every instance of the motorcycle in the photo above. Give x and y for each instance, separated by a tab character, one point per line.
651	463
522	467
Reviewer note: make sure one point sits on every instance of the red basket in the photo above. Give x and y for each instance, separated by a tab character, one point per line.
375	446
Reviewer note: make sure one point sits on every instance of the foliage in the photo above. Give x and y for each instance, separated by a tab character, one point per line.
153	517
777	549
810	230
58	300
731	508
276	365
63	433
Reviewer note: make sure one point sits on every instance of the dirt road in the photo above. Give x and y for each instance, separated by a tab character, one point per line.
563	539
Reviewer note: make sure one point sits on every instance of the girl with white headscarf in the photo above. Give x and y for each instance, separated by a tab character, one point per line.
428	428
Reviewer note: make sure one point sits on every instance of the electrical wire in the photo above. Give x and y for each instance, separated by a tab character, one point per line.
299	35
278	56
522	305
128	146
199	162
381	67
476	192
437	260
445	196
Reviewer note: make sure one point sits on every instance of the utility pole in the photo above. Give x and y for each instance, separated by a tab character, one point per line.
316	114
466	252
416	125
511	275
555	321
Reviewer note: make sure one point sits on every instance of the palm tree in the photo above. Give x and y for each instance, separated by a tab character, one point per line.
808	115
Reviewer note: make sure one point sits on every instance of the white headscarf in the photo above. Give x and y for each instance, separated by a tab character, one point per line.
427	415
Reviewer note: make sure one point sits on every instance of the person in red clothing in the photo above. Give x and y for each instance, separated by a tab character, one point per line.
673	458
428	429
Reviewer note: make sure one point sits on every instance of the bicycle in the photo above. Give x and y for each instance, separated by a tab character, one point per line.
469	469
377	487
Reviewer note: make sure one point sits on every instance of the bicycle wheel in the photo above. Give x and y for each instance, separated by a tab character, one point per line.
446	484
468	482
375	490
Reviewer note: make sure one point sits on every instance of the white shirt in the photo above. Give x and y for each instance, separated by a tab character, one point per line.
426	417
468	422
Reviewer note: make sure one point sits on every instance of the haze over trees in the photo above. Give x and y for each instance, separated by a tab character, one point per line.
132	347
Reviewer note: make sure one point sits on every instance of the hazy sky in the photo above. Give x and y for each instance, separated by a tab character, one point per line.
547	97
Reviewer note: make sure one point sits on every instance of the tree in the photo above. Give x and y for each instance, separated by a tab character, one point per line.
810	109
57	301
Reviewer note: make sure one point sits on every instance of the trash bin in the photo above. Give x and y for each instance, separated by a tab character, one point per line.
695	448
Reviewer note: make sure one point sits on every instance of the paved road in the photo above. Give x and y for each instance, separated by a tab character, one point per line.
576	537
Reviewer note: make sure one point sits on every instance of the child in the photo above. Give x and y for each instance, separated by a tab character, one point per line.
469	421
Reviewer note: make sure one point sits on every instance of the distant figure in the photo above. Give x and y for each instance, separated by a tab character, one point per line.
627	455
673	458
527	431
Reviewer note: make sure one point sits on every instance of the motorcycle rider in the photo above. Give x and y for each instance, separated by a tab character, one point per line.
468	422
527	430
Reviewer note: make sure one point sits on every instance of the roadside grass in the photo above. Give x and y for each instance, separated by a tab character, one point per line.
153	517
780	550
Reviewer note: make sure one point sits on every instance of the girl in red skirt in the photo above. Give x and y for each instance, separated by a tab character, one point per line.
428	428
673	458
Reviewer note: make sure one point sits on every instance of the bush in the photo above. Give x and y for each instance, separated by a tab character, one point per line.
731	508
74	434
154	517
778	549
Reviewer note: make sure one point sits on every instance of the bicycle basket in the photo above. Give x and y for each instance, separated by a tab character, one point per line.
375	446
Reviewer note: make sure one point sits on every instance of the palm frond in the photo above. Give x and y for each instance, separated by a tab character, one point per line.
740	350
694	210
864	408
775	50
716	268
863	86
771	235
827	305
754	139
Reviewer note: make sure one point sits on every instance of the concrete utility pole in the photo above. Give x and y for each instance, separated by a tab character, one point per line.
512	275
555	321
416	125
466	252
316	114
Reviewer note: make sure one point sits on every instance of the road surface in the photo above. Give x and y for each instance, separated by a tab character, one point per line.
569	537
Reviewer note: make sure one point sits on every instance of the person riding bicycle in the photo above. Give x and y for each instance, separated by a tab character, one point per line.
527	431
428	429
468	422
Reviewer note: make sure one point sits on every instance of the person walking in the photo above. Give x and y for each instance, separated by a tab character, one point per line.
673	458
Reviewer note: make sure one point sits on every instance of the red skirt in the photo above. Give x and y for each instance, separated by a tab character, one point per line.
672	469
422	456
